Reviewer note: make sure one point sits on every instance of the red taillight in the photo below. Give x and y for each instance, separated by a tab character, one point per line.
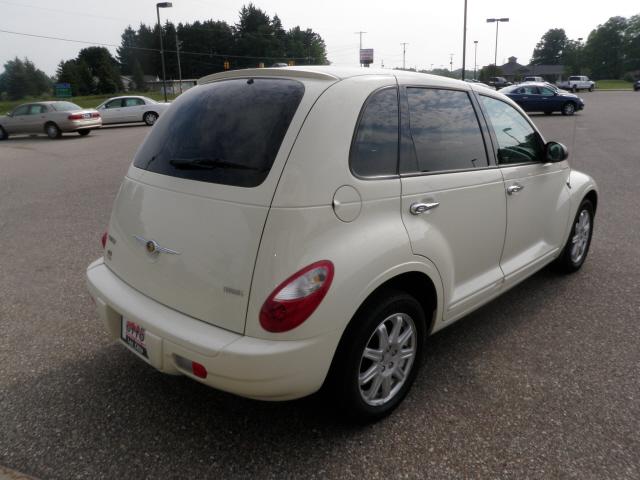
95	115
295	299
103	240
198	370
76	116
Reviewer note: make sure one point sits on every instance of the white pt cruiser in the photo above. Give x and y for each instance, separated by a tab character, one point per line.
281	230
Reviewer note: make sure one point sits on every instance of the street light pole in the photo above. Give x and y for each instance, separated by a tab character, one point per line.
497	22
164	75
464	40
404	53
475	60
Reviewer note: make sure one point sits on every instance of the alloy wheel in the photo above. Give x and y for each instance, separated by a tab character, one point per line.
387	359
581	234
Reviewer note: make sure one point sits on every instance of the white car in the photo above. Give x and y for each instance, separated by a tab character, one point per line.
131	109
284	229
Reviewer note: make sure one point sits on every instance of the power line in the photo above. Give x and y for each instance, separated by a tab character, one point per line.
206	54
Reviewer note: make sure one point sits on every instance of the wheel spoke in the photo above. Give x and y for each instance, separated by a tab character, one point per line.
375	387
399	374
386	386
383	336
406	353
395	331
406	335
367	376
373	354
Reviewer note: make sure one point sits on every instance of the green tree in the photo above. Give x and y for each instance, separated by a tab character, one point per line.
78	75
550	49
604	52
21	78
138	77
631	46
103	67
489	71
126	53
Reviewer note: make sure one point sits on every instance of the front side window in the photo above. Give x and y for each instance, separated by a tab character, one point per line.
547	92
227	132
518	142
445	131
374	151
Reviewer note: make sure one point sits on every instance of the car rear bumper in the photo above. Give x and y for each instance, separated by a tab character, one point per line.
246	366
75	125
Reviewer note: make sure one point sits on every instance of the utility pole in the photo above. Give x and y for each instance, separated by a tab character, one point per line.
164	75
475	60
464	40
404	53
451	62
360	33
179	69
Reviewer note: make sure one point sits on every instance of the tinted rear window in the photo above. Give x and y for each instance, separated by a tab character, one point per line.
227	132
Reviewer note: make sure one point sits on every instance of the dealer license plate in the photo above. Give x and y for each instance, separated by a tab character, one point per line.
134	336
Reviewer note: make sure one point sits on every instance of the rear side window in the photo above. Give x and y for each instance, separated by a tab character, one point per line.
374	151
226	132
445	131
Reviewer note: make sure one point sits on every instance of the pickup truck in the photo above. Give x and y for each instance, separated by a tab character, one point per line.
578	82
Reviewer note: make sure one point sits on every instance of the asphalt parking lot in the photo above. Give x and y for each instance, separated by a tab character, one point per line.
544	382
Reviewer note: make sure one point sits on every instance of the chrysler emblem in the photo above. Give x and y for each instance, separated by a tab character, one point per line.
154	248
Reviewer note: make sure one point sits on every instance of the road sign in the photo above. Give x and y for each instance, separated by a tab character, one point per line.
366	56
62	90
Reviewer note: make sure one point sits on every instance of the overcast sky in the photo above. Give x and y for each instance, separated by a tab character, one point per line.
432	30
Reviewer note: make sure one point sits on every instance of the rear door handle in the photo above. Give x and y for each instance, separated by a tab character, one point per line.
420	208
515	188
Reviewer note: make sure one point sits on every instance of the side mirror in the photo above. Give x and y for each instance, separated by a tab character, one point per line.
555	152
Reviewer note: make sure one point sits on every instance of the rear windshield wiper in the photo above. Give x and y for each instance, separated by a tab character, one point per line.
207	163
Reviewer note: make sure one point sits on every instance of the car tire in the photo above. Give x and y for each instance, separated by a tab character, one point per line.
591	89
3	134
574	89
84	133
576	249
568	108
375	364
52	131
150	118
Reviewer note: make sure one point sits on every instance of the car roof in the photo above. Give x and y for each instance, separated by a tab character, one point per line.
336	74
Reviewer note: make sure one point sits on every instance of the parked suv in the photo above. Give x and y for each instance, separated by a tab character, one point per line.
281	230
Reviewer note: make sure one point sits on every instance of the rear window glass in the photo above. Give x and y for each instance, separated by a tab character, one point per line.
226	132
65	106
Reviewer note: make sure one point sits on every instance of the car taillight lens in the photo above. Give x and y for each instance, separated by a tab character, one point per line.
76	116
295	299
103	240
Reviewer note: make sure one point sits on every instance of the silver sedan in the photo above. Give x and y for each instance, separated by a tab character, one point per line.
52	118
130	109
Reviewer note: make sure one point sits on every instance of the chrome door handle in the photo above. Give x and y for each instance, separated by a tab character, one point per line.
515	188
420	208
